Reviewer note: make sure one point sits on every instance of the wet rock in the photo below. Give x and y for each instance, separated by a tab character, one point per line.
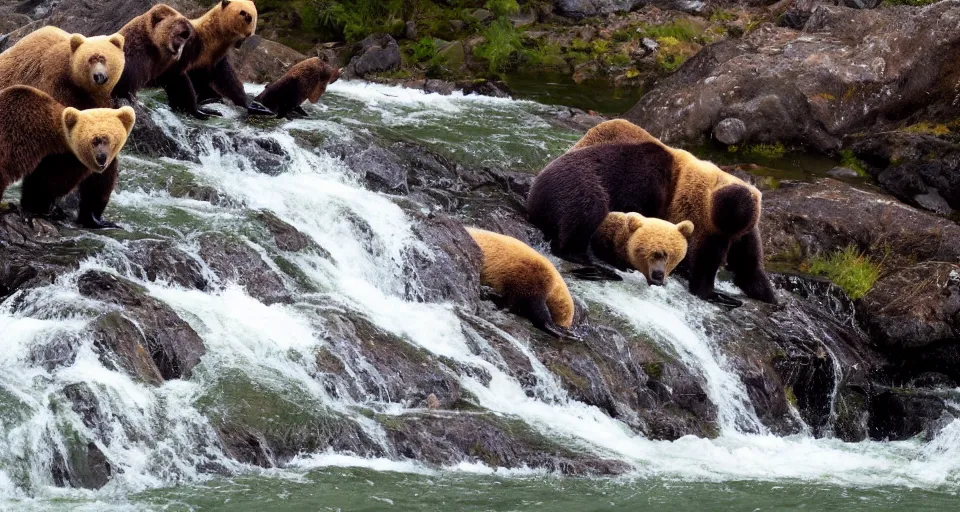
171	343
34	254
84	466
385	366
83	401
919	169
235	261
730	131
898	414
265	154
449	439
149	139
287	237
450	271
808	219
262	61
265	427
59	353
578	9
816	86
382	169
843	173
122	346
914	315
162	260
375	54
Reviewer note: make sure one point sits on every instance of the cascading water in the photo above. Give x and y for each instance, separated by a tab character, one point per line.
157	437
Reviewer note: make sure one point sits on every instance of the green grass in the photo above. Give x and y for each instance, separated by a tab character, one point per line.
503	7
424	50
849	269
681	30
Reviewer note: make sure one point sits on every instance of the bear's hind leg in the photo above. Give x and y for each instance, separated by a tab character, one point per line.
745	260
706	258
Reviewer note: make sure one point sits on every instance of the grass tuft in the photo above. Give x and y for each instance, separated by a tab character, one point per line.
849	269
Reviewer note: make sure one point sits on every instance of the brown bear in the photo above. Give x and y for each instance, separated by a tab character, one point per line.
154	41
527	283
304	81
652	246
35	127
78	72
204	63
572	196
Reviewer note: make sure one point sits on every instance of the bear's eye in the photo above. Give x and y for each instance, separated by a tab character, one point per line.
659	255
243	13
97	141
185	34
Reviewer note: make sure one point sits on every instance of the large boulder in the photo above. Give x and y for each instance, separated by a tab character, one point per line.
263	61
375	54
847	71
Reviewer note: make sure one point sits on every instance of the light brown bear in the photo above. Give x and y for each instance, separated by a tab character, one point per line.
78	72
528	284
204	67
653	246
154	41
35	127
618	166
306	80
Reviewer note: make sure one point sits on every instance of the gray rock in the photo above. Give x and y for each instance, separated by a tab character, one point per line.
233	260
482	15
843	173
586	8
375	54
812	87
730	131
158	333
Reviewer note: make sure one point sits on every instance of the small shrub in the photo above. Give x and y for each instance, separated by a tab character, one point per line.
425	49
601	46
722	15
617	60
503	7
501	45
849	269
771	151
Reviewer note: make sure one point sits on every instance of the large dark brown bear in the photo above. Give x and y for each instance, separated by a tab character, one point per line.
204	64
154	42
572	196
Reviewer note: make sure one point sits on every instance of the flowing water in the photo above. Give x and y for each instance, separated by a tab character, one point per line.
162	443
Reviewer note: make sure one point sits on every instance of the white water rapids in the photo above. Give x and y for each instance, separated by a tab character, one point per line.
158	437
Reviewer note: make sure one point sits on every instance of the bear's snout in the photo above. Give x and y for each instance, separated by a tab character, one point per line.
101	159
656	277
99	78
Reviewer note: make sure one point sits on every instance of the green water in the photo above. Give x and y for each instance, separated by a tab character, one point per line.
351	489
559	89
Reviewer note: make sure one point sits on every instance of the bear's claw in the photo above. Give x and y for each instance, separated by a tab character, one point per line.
595	274
91	221
723	300
257	109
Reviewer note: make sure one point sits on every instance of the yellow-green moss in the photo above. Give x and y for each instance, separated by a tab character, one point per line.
849	269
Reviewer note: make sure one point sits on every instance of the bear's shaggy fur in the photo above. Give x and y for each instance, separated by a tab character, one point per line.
653	246
572	196
35	127
154	41
204	63
529	284
304	81
77	71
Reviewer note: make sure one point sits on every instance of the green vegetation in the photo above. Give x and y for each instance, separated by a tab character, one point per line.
424	50
849	269
722	15
501	46
848	159
680	30
769	151
503	7
790	395
926	128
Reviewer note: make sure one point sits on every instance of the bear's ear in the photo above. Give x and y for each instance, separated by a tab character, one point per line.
117	40
158	15
635	221
224	4
127	116
71	117
685	228
75	41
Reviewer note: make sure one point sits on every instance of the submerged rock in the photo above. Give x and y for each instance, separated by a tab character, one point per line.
236	261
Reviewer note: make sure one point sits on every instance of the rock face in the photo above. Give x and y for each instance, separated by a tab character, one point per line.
375	54
586	8
846	71
263	61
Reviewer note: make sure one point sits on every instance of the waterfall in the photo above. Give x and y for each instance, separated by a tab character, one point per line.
160	436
